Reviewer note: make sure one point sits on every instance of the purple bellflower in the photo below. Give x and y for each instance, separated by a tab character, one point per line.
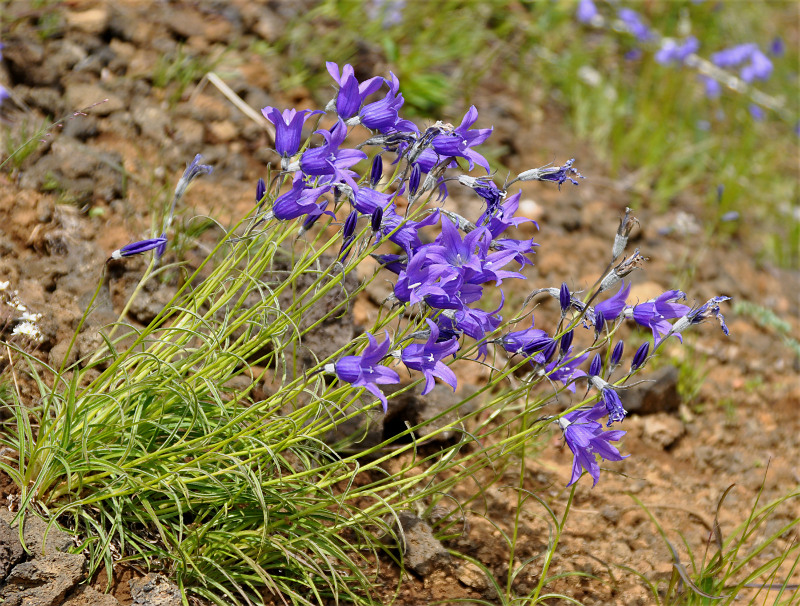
695	316
585	438
556	174
288	128
527	342
458	142
612	307
383	115
158	244
427	358
365	370
565	369
299	201
351	94
328	159
654	313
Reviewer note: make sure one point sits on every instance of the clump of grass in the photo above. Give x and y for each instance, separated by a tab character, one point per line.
754	562
155	448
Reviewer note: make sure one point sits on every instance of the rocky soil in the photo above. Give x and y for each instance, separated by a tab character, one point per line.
724	411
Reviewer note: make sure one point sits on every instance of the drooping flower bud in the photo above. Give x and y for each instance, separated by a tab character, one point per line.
596	366
641	355
377	219
350	225
563	297
377	170
566	342
616	355
413	180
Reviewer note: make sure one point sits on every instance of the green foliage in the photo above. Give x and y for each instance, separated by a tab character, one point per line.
155	449
651	124
755	562
177	71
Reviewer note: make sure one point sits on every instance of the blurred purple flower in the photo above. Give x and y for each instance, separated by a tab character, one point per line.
673	52
586	11
634	24
756	112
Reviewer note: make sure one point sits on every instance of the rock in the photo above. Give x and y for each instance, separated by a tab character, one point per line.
662	430
154	590
658	394
422	553
88	596
11	551
34	534
43	581
407	410
472	576
93	99
92	21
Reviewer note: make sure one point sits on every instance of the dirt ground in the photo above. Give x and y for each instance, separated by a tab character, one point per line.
93	181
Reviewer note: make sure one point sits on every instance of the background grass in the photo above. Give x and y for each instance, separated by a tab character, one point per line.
651	124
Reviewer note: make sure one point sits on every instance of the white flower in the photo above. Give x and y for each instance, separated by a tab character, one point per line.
4	285
27	329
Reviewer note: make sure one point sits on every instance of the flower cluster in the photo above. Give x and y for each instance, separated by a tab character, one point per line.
25	323
445	266
736	67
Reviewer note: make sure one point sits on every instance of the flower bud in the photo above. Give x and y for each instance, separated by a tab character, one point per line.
640	356
616	355
596	366
377	170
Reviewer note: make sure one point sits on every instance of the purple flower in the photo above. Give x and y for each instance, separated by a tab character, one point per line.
143	246
299	201
328	159
655	312
673	52
633	23
759	68
565	369
404	232
586	11
365	370
713	88
556	174
458	142
611	402
420	279
367	200
288	128
611	308
526	342
695	316
503	216
756	112
616	354
777	47
564	297
427	358
453	251
351	94
586	438
731	57
384	115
